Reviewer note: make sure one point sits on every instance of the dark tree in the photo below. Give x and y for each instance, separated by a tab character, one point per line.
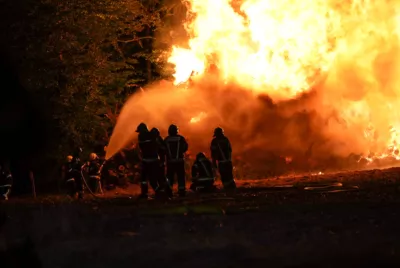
78	61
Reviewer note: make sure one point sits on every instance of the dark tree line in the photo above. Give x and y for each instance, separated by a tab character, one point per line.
68	67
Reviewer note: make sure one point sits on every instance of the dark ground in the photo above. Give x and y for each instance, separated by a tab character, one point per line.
259	226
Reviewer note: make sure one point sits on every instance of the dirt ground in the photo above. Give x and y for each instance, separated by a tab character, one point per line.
277	222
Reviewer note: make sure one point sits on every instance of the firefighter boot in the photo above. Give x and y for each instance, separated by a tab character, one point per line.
168	189
159	193
182	193
143	196
144	188
193	187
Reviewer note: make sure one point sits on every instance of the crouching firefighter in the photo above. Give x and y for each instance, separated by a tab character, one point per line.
94	168
176	148
150	166
5	182
221	153
73	177
202	174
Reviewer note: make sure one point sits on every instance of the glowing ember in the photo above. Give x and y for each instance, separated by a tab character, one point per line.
288	159
317	174
287	47
198	118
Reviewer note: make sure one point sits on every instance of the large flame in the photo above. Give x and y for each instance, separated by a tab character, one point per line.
347	49
328	68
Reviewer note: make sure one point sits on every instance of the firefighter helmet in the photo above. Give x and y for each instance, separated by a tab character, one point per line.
69	158
218	132
142	127
200	155
93	156
173	130
155	131
77	152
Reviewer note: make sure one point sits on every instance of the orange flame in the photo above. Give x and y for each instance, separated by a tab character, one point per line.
287	47
278	46
198	118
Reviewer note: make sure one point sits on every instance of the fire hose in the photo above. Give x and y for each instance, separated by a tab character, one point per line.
87	185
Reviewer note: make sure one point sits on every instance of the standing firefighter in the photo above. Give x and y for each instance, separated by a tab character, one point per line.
176	148
221	152
72	174
5	182
150	159
161	179
202	174
94	171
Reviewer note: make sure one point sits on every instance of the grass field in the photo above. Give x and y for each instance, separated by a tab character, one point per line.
276	222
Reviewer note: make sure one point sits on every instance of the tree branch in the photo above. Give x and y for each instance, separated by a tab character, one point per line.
135	39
